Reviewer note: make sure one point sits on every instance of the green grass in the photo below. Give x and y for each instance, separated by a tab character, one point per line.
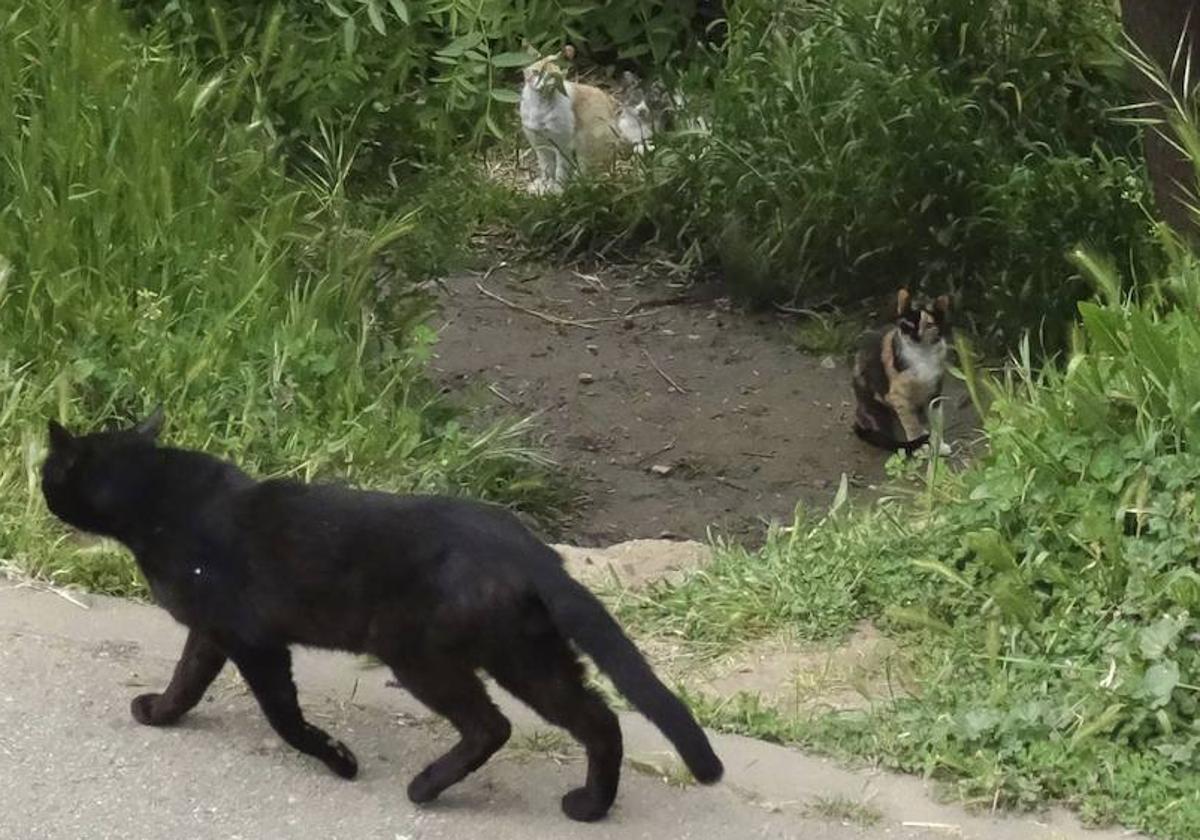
855	147
834	333
1046	600
844	810
154	250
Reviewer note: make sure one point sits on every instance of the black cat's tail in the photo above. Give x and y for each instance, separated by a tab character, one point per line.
582	618
878	438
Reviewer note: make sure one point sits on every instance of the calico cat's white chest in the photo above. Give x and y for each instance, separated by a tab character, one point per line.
547	113
635	129
925	364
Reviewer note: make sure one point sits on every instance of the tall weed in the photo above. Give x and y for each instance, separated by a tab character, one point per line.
420	78
154	250
855	146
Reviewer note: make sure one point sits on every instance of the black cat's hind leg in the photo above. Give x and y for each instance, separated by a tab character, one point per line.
458	695
549	678
268	672
198	666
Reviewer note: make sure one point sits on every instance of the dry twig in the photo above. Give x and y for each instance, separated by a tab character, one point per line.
664	374
550	319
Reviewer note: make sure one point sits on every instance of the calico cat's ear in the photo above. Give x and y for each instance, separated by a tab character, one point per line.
942	304
903	301
60	438
152	425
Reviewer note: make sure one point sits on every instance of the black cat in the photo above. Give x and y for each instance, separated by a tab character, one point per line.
434	587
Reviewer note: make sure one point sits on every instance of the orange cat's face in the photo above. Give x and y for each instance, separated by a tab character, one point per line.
546	75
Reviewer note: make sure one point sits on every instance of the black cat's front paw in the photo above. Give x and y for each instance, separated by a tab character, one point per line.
147	710
340	760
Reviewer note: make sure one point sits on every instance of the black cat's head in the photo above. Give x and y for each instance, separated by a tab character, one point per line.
86	478
927	324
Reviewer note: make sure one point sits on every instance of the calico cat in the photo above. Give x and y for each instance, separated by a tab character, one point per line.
436	588
571	126
898	372
641	111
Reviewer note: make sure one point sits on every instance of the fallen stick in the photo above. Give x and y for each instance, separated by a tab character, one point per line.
550	319
664	374
731	483
657	303
606	318
657	452
501	394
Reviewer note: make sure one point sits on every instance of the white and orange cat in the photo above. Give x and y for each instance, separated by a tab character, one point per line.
571	126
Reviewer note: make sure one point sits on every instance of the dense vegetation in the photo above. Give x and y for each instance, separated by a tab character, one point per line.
228	206
853	146
1046	598
152	249
834	149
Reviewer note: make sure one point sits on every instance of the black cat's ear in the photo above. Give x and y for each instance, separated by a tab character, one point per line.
903	301
60	438
152	425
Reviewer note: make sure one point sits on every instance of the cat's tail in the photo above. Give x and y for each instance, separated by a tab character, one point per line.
582	618
878	438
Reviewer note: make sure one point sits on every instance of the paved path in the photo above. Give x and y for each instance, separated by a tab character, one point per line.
75	766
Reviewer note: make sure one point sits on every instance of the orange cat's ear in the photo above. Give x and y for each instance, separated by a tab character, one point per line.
903	301
568	52
942	304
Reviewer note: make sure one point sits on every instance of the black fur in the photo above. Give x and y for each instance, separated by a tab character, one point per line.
436	588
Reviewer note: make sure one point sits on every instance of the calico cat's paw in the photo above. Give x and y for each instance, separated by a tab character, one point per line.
925	450
581	805
147	710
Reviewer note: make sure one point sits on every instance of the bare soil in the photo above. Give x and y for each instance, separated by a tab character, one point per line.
679	412
793	675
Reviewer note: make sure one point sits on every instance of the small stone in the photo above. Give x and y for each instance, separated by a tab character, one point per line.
662	469
593	349
828	363
627	324
586	378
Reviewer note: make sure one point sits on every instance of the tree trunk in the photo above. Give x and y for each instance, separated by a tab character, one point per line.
1156	26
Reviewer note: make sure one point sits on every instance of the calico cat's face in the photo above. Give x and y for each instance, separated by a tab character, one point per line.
632	97
926	325
82	477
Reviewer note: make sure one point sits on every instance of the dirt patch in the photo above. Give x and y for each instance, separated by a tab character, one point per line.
791	675
681	413
634	563
811	677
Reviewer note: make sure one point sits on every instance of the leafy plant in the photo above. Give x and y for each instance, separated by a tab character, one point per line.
151	249
837	150
419	78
